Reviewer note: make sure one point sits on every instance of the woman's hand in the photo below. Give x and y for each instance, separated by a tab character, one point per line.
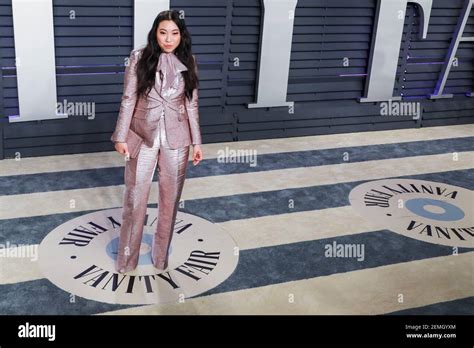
122	148
197	154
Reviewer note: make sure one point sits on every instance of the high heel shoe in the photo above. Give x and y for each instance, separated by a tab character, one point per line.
123	270
161	265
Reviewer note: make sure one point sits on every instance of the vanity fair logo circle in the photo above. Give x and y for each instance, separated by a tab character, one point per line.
429	211
79	257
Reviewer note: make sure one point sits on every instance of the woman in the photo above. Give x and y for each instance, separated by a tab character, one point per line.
159	108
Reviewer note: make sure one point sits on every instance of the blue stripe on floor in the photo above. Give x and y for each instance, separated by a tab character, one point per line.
31	230
257	267
88	178
305	260
251	205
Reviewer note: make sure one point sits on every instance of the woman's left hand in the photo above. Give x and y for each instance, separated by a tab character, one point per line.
197	154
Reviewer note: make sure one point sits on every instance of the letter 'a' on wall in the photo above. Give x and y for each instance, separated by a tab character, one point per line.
145	12
451	55
275	51
389	22
35	60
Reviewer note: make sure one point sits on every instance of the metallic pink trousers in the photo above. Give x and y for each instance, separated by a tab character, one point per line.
139	172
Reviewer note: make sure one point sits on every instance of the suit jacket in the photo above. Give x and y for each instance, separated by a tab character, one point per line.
142	114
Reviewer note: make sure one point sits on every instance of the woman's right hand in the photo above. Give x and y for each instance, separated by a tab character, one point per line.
121	148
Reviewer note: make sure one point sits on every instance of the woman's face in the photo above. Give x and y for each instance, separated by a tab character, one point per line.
168	36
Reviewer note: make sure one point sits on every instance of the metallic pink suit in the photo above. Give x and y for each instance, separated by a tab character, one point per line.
168	122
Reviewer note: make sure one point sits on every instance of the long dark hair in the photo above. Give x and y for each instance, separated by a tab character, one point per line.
146	66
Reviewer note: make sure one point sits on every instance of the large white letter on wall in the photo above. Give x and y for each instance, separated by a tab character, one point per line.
35	60
275	50
145	12
451	55
383	61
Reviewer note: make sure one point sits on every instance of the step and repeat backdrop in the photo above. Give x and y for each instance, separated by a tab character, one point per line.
267	68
